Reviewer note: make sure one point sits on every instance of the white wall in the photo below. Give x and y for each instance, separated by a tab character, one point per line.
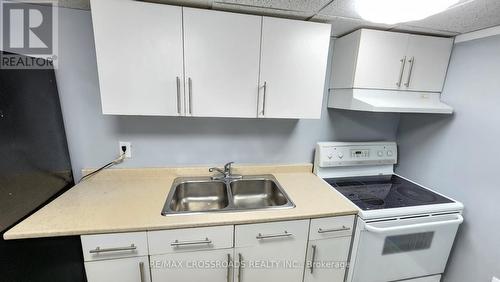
459	156
165	141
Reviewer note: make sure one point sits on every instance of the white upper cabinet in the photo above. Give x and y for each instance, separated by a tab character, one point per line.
372	59
156	59
293	66
380	59
428	59
139	57
222	63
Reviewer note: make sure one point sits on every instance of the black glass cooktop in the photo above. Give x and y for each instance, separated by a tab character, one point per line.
385	192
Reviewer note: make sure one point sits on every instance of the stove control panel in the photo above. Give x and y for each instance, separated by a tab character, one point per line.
335	154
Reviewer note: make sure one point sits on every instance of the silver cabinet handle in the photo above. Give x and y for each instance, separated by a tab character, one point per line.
343	228
313	258
240	260
264	99
269	236
403	63
108	250
412	62
190	93
141	270
228	267
178	82
178	243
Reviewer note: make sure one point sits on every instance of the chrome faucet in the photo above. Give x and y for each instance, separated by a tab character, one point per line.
225	174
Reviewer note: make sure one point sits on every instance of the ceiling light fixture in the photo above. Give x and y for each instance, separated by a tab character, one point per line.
398	11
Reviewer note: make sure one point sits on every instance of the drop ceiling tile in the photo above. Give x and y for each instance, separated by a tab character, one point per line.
340	8
187	3
289	5
342	26
296	9
470	16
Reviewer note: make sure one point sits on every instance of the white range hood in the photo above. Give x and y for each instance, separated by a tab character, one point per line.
387	101
381	71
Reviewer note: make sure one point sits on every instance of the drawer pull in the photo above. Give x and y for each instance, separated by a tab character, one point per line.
229	262
141	270
178	83
240	262
313	258
120	249
269	236
344	228
178	243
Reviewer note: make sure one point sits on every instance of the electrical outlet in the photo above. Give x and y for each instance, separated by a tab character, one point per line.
494	279
128	153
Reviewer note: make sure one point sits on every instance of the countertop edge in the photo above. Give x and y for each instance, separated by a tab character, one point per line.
17	236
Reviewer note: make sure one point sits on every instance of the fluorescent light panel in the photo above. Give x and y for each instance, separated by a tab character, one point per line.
398	11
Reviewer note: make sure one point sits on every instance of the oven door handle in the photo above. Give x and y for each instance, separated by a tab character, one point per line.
379	230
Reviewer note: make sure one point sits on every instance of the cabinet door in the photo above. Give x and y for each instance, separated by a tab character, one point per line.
222	63
381	59
209	266
139	57
293	66
134	269
327	260
427	63
271	251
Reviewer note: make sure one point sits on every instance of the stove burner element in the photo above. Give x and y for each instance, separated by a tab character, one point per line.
371	200
385	192
417	195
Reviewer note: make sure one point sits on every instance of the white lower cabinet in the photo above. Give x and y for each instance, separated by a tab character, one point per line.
271	251
276	251
328	249
135	269
327	260
207	266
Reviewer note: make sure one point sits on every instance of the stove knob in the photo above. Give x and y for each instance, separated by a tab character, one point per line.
389	153
340	155
380	153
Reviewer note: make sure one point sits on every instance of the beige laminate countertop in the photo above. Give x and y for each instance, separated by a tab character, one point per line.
124	200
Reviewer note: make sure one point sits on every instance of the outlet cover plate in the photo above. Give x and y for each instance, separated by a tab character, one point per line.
128	153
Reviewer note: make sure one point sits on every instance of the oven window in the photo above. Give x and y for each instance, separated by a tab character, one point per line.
407	243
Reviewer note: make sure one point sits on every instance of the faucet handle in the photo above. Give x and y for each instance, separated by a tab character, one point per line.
227	168
212	169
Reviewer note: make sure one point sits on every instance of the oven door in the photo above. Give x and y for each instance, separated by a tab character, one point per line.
403	248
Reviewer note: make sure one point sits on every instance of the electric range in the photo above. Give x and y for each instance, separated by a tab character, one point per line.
400	223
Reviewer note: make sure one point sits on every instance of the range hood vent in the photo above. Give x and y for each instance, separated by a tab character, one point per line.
387	101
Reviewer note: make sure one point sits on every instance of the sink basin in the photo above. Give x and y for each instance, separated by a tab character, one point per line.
202	194
257	193
195	196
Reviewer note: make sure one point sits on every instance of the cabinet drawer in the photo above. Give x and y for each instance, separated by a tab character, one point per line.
191	239
331	227
110	246
261	233
119	270
213	265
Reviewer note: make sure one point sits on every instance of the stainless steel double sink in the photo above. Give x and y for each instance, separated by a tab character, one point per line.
203	194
